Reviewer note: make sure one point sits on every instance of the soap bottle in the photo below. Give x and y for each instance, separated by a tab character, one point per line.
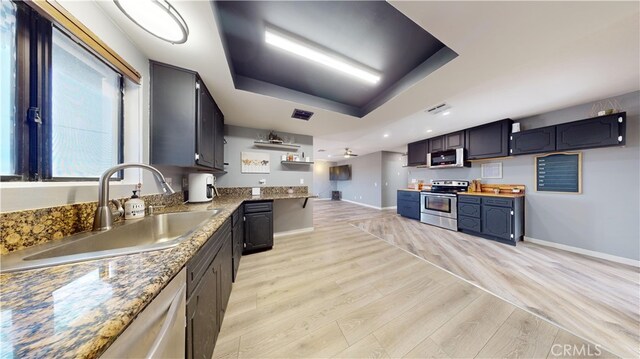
134	207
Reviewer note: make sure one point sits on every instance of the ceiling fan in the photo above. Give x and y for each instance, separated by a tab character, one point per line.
348	153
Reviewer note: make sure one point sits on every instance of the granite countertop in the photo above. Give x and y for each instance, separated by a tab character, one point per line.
79	309
491	194
409	189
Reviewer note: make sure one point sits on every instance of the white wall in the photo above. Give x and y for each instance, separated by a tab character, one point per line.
375	179
28	195
604	218
394	176
366	176
322	186
240	139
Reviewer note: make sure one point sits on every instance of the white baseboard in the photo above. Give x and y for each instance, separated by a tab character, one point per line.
392	207
585	252
322	199
292	232
361	204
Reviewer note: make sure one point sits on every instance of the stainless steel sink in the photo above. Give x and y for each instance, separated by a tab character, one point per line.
155	232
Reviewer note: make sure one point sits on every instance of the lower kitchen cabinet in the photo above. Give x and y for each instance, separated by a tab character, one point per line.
258	226
202	316
496	218
238	238
408	204
209	290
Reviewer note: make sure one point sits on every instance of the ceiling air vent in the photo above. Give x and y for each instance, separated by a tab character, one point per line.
437	109
301	114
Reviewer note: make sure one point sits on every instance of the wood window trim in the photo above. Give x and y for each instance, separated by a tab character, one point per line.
53	11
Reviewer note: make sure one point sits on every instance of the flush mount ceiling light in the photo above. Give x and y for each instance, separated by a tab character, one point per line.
156	17
313	53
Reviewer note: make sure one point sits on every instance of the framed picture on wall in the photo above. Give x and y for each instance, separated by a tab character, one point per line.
255	162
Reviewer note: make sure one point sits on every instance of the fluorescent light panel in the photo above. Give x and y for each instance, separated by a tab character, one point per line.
296	47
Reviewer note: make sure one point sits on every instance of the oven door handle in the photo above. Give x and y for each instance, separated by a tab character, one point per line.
439	195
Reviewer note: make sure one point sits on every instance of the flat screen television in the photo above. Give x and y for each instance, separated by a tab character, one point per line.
340	173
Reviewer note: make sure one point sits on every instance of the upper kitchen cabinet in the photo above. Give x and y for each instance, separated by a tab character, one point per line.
417	153
488	141
436	144
449	141
595	132
533	141
218	140
454	140
187	127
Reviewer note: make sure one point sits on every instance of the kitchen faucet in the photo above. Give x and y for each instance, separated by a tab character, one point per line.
103	219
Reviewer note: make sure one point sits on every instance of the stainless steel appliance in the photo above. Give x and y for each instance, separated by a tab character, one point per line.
439	206
447	159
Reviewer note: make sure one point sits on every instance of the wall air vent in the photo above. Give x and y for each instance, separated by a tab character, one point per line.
301	114
437	109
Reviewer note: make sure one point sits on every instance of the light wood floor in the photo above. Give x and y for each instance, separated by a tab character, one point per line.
596	299
342	292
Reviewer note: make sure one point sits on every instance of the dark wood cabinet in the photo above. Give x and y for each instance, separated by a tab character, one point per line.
496	218
436	144
454	140
258	226
450	141
218	140
224	262
209	281
469	209
202	316
488	141
184	120
533	141
238	239
205	121
595	132
469	223
408	204
417	153
496	221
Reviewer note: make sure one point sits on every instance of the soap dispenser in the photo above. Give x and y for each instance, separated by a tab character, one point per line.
134	207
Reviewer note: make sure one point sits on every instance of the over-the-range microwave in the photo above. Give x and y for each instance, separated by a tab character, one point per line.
447	159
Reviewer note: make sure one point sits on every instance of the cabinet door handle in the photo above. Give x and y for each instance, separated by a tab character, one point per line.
169	321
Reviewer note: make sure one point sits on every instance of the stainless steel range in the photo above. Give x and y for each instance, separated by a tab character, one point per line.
439	206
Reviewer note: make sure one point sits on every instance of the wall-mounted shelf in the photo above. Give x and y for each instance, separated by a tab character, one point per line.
276	146
296	163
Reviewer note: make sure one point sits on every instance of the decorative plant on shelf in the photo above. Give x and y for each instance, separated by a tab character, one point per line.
274	138
605	107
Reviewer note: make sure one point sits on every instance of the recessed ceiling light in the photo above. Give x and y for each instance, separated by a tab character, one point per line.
310	52
328	155
385	135
156	17
429	131
446	113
